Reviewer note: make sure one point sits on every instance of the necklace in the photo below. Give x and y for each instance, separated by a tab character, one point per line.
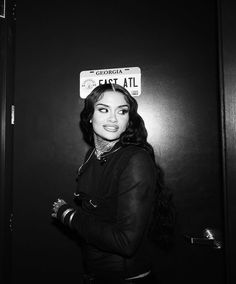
79	170
99	158
102	146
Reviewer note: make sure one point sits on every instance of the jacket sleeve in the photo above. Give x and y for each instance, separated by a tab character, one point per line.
135	198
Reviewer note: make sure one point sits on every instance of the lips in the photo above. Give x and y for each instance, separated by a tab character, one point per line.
111	128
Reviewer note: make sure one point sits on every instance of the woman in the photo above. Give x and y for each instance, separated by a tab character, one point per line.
117	188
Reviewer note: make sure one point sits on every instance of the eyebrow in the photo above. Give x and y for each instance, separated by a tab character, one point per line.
109	106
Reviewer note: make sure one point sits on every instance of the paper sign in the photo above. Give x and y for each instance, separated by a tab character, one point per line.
2	8
129	78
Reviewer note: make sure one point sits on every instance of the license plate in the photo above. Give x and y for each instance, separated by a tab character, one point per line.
129	78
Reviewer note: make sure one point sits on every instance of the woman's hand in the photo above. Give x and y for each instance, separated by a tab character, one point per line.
56	206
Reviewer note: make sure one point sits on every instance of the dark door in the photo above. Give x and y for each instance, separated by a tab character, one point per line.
175	46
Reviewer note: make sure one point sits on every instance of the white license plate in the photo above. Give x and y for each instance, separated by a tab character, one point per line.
129	78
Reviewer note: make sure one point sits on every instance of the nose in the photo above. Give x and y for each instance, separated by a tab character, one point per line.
112	117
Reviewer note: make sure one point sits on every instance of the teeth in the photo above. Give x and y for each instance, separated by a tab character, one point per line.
111	128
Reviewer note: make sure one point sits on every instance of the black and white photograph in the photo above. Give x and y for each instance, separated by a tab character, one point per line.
118	142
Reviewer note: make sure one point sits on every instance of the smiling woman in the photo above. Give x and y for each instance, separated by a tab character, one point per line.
110	118
118	194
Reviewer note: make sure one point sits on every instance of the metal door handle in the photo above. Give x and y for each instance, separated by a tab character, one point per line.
209	239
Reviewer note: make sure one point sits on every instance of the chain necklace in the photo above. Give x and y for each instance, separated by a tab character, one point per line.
102	156
102	146
79	170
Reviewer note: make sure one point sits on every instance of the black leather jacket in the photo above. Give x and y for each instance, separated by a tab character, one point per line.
115	197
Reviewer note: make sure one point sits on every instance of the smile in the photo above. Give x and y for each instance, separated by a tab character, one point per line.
111	128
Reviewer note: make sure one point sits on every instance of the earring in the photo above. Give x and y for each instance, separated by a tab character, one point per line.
90	121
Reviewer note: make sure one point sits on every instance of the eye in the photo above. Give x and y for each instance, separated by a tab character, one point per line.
103	110
123	111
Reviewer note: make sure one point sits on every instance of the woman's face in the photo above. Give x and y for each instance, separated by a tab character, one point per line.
111	116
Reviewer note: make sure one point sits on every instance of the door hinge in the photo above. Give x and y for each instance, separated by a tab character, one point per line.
11	222
12	114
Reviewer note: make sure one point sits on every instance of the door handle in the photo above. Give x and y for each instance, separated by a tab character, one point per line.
210	238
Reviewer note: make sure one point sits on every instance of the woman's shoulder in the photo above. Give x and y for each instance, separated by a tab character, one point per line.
135	149
133	153
136	161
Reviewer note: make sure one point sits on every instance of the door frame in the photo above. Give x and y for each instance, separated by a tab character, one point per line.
227	79
7	59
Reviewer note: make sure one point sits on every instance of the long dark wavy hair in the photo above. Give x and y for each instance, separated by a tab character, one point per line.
164	217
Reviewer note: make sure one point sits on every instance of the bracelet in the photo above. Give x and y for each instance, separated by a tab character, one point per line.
70	219
65	213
